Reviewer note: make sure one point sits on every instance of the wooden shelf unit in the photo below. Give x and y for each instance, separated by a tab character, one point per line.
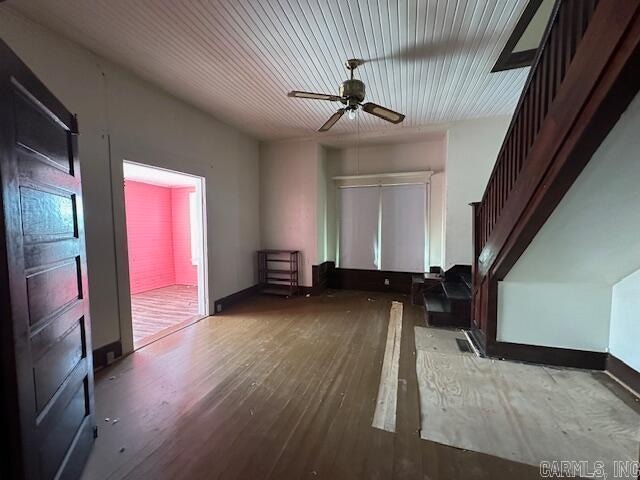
278	272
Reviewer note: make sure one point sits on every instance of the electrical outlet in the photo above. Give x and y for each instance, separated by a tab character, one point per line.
111	356
218	308
386	281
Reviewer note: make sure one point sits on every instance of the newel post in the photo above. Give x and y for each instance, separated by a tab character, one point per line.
475	248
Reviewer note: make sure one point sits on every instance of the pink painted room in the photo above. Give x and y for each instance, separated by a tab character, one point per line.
165	249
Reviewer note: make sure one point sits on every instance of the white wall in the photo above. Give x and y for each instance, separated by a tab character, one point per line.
565	315
624	335
589	243
462	161
391	158
325	249
147	125
298	194
436	220
289	198
472	150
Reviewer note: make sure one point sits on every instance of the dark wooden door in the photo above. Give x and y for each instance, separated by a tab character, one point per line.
47	379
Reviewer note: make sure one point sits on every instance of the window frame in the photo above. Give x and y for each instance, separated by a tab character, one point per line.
384	180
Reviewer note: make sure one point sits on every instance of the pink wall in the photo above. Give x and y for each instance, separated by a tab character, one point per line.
158	236
185	272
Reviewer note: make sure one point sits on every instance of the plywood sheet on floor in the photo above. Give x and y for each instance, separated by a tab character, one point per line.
438	340
161	308
526	413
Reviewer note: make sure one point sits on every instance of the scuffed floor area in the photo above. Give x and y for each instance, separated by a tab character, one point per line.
275	388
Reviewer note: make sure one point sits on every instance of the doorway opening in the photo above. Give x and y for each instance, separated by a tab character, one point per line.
165	216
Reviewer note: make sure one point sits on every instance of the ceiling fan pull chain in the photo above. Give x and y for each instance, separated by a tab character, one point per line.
357	141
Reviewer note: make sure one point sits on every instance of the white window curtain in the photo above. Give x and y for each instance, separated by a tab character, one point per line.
402	228
359	220
383	227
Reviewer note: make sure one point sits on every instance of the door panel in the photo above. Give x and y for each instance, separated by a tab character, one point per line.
60	437
47	372
50	371
38	131
53	289
47	214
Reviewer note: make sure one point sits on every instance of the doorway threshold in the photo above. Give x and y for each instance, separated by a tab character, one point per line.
167	331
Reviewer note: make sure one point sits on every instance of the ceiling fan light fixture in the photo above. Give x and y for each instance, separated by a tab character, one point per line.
352	114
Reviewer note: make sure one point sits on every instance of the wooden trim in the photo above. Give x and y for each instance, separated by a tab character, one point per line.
302	290
478	338
384	179
223	303
515	60
168	331
320	276
509	59
100	354
456	269
371	280
624	373
560	357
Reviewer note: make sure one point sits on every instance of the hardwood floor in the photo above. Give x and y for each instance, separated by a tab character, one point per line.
159	309
274	388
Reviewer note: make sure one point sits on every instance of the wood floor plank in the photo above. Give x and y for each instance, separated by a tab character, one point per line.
310	428
408	462
353	454
384	416
350	386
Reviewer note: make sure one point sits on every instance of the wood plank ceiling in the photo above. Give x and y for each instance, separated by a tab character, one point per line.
237	59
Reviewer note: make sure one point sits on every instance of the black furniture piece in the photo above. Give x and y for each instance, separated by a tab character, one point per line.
447	298
278	272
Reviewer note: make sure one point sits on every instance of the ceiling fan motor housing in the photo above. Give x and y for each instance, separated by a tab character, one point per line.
352	92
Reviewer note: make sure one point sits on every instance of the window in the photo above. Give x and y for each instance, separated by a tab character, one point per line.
403	220
359	220
383	227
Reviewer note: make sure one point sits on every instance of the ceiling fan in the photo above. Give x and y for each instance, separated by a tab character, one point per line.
351	95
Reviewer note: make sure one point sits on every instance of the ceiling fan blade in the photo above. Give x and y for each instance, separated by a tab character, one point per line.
332	120
314	96
383	113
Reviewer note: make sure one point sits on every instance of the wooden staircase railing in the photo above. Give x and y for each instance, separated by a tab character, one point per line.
581	81
568	24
